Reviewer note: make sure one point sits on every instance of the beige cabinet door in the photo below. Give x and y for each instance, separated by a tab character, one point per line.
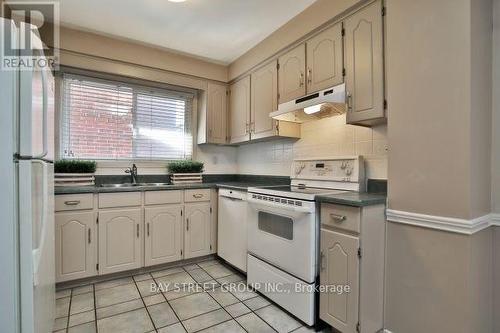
291	74
217	113
120	240
264	100
163	239
325	59
340	267
76	245
197	230
364	64
239	110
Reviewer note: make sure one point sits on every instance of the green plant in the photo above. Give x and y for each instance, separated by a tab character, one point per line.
185	167
74	166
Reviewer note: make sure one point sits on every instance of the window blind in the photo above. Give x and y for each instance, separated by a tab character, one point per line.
111	120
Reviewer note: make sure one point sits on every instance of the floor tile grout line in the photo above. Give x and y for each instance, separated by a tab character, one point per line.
95	309
144	303
170	305
221	304
69	308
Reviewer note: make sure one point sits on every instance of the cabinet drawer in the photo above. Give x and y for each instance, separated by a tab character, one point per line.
197	195
341	217
124	199
74	202
162	197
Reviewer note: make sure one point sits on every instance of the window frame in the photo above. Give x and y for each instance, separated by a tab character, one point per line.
112	164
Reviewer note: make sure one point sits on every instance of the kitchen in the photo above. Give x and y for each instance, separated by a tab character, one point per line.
340	143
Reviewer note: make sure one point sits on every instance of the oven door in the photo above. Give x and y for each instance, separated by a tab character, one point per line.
285	237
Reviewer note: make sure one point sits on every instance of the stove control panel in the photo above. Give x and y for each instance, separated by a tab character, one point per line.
339	169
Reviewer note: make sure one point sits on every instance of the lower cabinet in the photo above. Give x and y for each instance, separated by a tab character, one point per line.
340	267
116	232
120	242
76	245
352	254
163	239
197	230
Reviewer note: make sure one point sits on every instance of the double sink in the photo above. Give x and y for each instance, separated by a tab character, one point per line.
134	184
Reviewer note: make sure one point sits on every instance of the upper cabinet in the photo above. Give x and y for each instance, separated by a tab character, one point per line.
239	106
324	59
264	100
292	74
212	119
364	64
251	100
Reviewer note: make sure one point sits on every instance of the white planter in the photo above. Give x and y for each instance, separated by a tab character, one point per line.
74	179
186	178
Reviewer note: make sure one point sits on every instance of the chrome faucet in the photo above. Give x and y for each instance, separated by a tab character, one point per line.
133	173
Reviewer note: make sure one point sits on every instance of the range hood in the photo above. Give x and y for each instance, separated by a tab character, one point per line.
325	103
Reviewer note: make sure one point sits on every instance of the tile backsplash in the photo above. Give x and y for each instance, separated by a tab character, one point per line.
321	138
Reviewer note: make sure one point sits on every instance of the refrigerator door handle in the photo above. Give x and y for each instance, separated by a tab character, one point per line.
45	133
43	230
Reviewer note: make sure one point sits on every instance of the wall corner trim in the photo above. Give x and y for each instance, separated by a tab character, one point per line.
495	219
450	224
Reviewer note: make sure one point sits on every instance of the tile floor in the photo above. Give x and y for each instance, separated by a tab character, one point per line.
130	304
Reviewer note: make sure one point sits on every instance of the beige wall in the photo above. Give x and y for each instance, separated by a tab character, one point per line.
496	110
496	279
313	17
428	74
481	106
111	48
325	137
438	281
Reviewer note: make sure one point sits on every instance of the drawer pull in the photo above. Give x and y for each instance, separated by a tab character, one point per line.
90	239
72	202
338	218
138	230
148	228
198	195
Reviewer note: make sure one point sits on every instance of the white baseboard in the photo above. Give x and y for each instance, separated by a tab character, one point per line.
451	224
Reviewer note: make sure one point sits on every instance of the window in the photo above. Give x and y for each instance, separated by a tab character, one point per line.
110	120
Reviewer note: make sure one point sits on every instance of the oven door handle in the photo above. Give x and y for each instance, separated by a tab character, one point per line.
271	205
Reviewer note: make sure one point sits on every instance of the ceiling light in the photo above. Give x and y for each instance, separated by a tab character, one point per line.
313	109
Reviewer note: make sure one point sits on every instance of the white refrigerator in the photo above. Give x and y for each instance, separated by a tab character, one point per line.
27	281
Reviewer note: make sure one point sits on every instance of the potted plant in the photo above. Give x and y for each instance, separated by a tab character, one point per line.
74	172
185	172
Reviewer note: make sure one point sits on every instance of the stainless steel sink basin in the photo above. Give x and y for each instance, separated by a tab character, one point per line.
134	185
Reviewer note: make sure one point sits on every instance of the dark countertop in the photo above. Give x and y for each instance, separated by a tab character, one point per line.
356	199
242	186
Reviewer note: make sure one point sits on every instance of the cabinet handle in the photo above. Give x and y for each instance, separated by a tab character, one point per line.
309	76
72	202
301	79
349	102
89	236
338	218
321	257
187	224
137	230
147	225
198	195
247	128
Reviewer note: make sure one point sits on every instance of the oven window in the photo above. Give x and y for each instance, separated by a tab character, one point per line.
280	226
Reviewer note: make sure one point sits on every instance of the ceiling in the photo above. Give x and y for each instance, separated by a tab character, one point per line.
216	30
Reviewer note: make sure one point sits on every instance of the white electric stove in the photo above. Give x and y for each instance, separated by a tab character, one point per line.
283	231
